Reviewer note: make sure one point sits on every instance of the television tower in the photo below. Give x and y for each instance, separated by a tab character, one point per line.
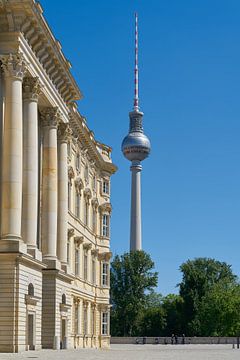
136	147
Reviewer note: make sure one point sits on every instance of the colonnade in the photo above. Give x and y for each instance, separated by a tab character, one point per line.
21	174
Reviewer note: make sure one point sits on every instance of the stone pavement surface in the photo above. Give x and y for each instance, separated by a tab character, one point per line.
135	352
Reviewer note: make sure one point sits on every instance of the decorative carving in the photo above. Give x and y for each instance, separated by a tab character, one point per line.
70	173
79	185
106	256
70	232
87	246
50	117
95	203
64	132
78	240
105	208
14	65
31	88
95	252
87	194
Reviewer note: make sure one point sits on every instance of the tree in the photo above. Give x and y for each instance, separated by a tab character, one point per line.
173	309
132	277
219	311
199	276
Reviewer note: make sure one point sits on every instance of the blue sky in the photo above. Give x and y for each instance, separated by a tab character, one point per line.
189	93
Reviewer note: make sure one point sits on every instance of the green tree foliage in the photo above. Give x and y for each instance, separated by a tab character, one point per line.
199	276
219	311
132	276
173	308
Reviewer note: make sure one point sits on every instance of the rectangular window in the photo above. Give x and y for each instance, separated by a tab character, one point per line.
94	218
76	319
85	324
85	265
77	204
105	187
77	262
68	252
93	322
78	162
105	323
69	195
86	213
105	268
105	225
93	271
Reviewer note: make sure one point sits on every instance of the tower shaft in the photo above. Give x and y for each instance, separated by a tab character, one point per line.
136	223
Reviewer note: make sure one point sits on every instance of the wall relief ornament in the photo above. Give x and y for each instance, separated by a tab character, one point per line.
50	117
14	65
31	88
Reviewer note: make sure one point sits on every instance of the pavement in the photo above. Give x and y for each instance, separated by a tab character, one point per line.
135	352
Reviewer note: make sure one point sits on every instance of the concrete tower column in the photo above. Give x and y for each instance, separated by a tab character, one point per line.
12	154
136	225
31	90
64	134
50	118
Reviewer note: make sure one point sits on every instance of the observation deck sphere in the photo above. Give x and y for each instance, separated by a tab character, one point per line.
136	146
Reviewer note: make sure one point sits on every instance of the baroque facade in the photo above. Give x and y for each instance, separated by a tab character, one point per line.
55	196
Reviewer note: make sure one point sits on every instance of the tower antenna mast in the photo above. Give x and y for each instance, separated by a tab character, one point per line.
136	97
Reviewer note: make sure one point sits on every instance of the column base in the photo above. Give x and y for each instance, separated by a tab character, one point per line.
52	263
12	244
35	252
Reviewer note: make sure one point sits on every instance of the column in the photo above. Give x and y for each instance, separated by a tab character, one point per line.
64	134
12	155
31	90
50	118
136	228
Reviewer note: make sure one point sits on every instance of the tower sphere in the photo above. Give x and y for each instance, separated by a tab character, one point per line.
136	146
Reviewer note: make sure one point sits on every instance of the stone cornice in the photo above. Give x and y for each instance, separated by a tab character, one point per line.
26	16
97	152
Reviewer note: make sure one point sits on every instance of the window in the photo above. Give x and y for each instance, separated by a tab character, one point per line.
105	225
105	268
105	323
105	187
77	262
77	204
93	271
68	252
31	289
93	321
76	319
78	163
85	265
69	194
64	300
85	321
94	218
86	213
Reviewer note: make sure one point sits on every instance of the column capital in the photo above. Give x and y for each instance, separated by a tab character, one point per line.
31	88
50	117
64	132
13	65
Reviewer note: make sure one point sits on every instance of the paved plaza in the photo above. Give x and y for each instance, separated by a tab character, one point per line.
135	352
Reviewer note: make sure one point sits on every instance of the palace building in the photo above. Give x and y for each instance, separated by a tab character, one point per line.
55	196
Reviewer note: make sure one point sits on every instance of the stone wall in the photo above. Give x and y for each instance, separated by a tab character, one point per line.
167	340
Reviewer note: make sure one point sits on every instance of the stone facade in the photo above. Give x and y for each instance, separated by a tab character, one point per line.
55	196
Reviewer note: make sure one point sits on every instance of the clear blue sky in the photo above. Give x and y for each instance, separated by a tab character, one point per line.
189	92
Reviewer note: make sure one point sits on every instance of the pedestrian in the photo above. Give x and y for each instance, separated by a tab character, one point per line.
183	339
172	339
176	339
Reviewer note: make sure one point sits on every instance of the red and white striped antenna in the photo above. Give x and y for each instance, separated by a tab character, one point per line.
136	98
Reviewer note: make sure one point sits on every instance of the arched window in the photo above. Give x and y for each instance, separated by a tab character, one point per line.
31	289
64	299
